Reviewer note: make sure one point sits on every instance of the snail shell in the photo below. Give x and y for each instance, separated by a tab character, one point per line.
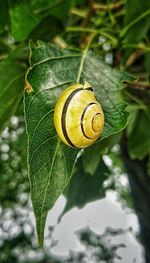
78	117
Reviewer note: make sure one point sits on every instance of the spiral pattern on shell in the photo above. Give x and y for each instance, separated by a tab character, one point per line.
78	117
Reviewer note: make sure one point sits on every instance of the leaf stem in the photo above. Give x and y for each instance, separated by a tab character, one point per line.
84	55
80	29
146	48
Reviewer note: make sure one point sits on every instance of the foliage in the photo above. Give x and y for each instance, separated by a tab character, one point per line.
10	97
84	39
47	77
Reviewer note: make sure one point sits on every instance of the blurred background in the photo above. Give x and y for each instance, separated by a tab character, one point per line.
107	219
104	230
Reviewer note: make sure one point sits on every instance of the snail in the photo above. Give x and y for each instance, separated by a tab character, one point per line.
78	117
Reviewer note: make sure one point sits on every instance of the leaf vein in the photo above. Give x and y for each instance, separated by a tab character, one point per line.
39	124
39	148
40	91
55	58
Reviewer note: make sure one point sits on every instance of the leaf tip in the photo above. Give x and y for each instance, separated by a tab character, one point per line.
40	226
40	236
40	242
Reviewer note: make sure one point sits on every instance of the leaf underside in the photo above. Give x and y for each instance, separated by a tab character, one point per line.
50	161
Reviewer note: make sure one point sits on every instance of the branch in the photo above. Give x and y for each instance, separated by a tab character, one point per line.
93	7
140	85
89	14
134	56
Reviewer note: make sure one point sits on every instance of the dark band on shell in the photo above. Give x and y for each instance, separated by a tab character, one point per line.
63	117
82	118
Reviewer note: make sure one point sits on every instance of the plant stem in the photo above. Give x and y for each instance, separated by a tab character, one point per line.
141	85
89	14
84	55
134	56
78	12
93	7
92	30
80	29
146	48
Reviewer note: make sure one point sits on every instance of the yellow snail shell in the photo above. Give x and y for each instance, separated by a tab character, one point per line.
78	117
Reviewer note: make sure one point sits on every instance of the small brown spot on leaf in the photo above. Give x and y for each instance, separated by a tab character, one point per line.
28	87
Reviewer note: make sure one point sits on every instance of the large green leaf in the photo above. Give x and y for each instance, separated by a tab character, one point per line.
22	19
137	20
11	85
26	16
53	8
139	139
49	27
50	161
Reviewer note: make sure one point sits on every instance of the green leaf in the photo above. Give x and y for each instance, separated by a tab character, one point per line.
11	86
133	109
53	8
4	19
22	19
47	29
107	84
92	155
29	17
91	158
84	188
139	139
50	161
137	20
57	9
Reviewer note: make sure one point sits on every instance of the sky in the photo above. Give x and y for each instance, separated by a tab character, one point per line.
97	215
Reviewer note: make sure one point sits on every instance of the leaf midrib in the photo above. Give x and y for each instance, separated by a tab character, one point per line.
48	182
